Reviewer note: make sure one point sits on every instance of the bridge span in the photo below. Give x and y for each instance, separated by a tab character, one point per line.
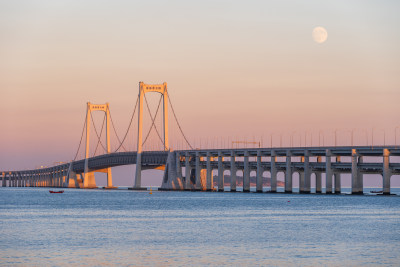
193	169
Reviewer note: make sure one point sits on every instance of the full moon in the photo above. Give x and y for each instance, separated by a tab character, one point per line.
319	34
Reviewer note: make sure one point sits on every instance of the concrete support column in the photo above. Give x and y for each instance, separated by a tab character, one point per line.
59	177
301	177
288	173
318	179
3	180
209	178
336	175
198	172
188	185
328	171
64	178
274	172
220	173
360	174
259	184
386	174
233	172
354	173
178	169
307	173
53	178
246	173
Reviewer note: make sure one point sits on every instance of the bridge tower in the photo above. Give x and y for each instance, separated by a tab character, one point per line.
88	176
143	89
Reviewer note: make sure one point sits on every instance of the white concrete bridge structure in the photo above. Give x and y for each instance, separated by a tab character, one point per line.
193	169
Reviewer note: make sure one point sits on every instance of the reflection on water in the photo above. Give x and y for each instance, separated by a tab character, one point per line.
98	227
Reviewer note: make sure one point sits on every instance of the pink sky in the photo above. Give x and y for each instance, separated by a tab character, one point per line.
238	70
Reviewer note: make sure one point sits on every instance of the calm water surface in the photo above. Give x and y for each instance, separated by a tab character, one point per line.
120	227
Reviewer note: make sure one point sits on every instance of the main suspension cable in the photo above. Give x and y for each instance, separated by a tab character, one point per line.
113	126
130	123
101	133
177	122
94	126
153	121
80	142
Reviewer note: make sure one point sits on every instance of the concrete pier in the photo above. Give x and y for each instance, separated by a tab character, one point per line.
274	172
386	173
288	173
233	172
220	173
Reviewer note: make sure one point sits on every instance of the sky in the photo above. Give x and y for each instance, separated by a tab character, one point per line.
236	70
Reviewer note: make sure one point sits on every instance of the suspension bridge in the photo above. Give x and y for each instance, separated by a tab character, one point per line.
193	169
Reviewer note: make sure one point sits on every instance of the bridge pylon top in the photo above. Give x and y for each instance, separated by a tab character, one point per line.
100	107
159	88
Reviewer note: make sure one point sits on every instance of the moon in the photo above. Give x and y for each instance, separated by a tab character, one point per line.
319	34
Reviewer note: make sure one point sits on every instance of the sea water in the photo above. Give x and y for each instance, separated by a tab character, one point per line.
123	227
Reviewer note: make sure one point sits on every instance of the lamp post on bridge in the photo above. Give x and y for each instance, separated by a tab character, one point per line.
319	138
336	137
366	135
351	135
305	138
291	138
384	136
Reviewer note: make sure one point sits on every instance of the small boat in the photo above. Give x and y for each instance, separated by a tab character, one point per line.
56	192
377	192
